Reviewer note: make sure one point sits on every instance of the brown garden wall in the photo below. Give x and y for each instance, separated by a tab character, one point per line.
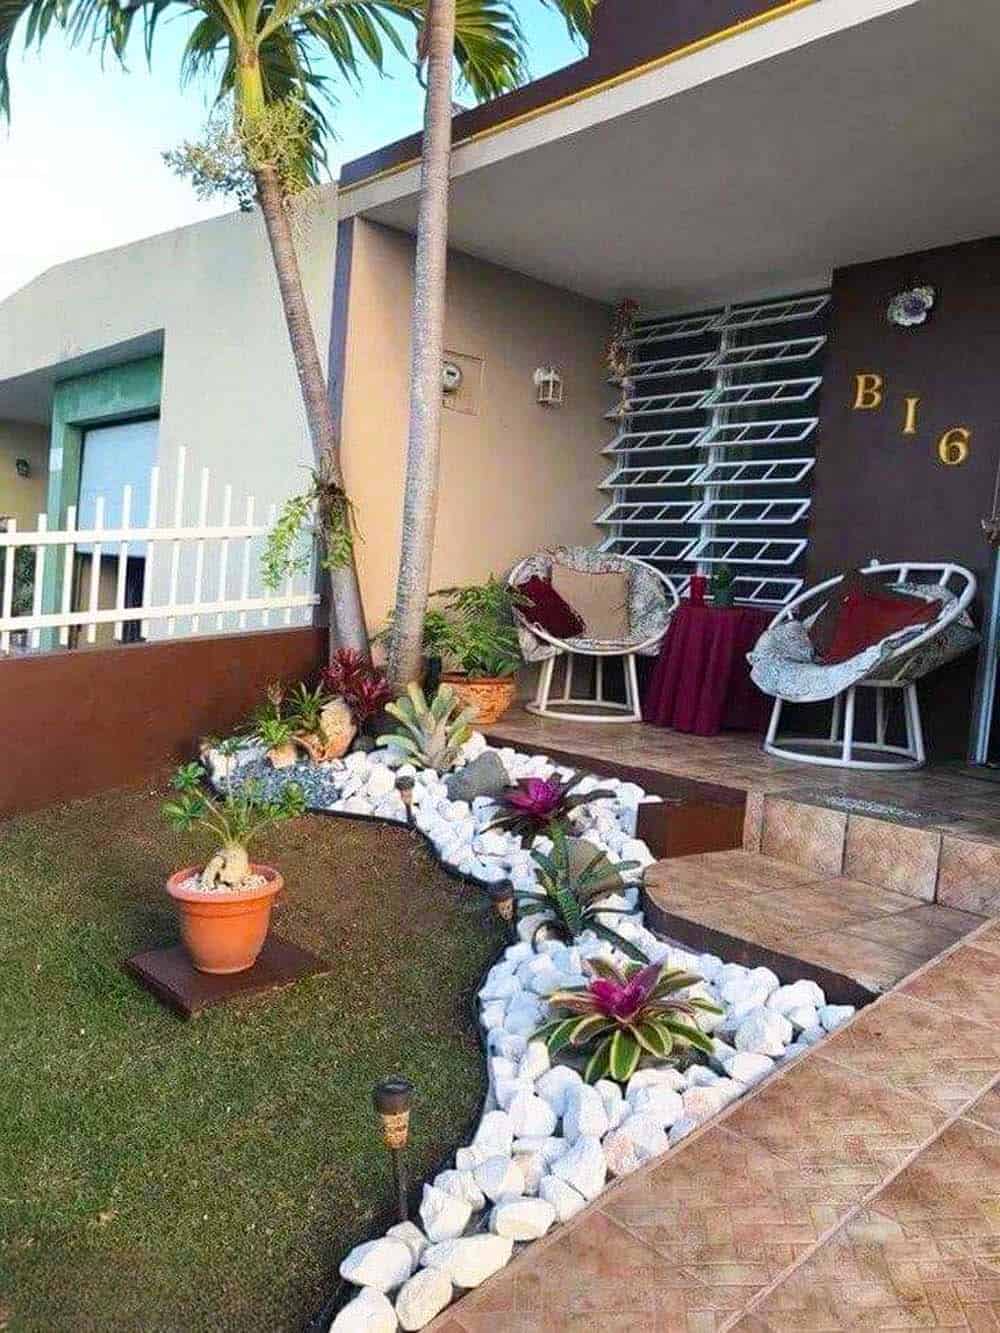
75	723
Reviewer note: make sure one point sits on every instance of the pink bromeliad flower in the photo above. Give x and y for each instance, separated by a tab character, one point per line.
622	1000
538	797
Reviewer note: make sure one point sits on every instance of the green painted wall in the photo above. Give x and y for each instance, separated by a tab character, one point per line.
119	393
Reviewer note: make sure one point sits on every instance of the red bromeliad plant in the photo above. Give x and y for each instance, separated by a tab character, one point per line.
627	1013
362	686
536	803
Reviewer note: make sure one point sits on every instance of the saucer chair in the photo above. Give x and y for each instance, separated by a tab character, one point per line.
782	667
652	600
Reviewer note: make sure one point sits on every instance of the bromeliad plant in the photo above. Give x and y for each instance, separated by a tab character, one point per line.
534	804
235	820
624	1014
575	885
430	734
362	686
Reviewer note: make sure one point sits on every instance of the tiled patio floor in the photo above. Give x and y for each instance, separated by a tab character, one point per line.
858	1188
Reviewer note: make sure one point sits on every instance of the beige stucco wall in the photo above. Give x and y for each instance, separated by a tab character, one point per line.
23	497
229	388
515	476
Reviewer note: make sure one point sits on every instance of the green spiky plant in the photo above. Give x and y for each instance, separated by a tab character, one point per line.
575	884
236	819
625	1014
430	734
305	709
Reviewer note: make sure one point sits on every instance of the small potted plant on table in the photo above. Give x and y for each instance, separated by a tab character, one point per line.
225	908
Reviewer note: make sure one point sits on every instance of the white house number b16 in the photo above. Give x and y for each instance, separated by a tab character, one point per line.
870	390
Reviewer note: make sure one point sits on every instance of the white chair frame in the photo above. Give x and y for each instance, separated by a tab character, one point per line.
599	707
840	749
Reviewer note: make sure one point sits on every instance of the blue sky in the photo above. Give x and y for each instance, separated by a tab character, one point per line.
80	166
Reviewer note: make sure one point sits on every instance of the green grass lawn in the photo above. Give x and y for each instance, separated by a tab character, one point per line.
159	1175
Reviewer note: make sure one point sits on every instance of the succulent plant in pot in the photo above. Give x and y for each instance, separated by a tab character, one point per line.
535	803
624	1014
429	734
278	738
225	907
324	727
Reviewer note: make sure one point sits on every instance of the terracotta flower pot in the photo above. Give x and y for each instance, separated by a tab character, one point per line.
490	696
224	932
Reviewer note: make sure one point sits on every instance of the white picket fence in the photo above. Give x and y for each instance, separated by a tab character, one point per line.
202	577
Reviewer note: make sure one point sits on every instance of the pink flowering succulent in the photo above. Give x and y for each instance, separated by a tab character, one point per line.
533	804
627	1013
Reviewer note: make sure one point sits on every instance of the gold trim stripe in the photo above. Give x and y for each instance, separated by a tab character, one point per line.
615	81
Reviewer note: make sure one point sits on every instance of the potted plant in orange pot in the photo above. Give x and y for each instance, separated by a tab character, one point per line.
225	907
481	646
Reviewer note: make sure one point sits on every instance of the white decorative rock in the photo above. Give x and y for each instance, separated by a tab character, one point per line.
493	1013
746	1067
832	1015
794	996
658	1103
636	1140
500	1178
461	1185
584	1113
423	1297
381	781
701	1103
507	1044
682	1128
507	1089
444	1216
531	1115
803	1016
494	1136
471	1259
647	1078
467	1159
554	1086
523	1017
382	1264
583	1167
412	1237
700	1076
738	986
369	1312
809	1036
522	1219
551	1147
763	1032
532	1165
535	1062
501	1067
721	1052
566	1201
615	1106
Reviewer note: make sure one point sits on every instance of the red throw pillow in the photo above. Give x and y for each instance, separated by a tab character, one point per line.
866	614
548	610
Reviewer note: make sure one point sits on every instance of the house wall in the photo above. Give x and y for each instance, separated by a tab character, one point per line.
23	497
514	475
881	491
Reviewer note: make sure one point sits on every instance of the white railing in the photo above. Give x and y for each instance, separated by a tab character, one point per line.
202	577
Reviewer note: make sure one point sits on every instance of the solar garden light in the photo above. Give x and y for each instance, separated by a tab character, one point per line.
393	1098
502	897
405	788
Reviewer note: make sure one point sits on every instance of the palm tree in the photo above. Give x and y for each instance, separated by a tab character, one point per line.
266	57
443	21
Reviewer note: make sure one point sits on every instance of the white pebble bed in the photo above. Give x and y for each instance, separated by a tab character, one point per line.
548	1144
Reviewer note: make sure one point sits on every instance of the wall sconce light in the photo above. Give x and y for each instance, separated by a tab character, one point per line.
22	467
548	382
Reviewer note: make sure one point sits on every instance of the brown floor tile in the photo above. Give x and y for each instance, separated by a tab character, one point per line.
849	1131
969	875
892	855
749	920
989	939
838	902
918	1048
986	1111
753	819
966	984
748	872
729	1214
594	1274
877	966
923	1254
925	931
806	835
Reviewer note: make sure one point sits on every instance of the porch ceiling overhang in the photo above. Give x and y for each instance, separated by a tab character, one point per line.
871	140
29	397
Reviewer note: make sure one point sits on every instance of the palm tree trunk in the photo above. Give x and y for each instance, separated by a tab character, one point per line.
427	348
347	618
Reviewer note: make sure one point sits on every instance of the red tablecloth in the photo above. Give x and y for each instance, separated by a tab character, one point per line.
701	681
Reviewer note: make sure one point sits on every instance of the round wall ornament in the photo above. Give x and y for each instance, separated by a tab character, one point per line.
907	309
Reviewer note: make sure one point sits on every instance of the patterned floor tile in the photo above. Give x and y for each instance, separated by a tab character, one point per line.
893	856
877	966
966	983
851	1132
986	1111
969	875
806	835
925	931
923	1254
920	1049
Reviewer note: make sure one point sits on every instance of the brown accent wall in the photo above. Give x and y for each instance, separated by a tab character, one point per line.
76	723
514	475
879	492
627	33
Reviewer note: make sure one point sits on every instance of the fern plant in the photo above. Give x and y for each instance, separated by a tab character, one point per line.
430	734
574	886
